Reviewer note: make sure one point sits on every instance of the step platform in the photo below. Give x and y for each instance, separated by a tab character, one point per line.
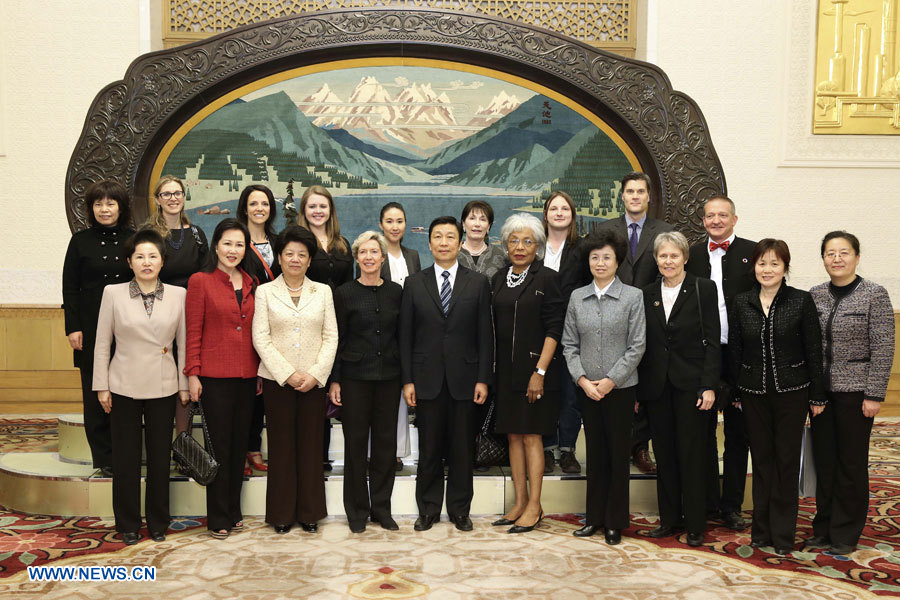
64	483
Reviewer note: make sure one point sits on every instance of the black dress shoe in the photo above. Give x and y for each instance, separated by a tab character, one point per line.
131	538
760	543
463	522
309	527
503	522
783	550
613	536
358	527
525	528
424	522
158	536
733	520
282	528
586	531
663	531
842	549
399	465
817	541
326	465
386	522
106	471
695	540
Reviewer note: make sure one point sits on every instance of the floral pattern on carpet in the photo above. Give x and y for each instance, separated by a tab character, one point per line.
28	435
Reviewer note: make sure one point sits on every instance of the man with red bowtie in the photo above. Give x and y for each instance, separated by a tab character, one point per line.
725	258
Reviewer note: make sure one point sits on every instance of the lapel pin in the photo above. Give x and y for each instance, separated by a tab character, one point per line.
656	303
744	260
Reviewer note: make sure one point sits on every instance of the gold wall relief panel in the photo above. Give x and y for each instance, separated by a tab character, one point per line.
857	86
606	24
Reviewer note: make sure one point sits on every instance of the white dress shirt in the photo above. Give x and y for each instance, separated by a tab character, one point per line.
715	273
399	270
669	296
598	292
439	275
551	258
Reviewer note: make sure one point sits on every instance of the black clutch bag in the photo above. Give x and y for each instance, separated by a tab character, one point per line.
490	449
193	458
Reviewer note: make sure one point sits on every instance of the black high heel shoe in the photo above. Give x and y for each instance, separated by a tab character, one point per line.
526	528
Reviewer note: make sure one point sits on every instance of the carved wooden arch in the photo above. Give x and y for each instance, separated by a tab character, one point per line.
130	120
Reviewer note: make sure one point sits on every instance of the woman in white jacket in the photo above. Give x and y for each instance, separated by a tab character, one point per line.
295	335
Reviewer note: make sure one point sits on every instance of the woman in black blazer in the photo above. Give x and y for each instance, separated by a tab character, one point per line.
94	260
365	380
676	379
528	319
775	345
400	263
257	210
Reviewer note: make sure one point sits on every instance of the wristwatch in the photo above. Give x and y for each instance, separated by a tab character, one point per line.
540	371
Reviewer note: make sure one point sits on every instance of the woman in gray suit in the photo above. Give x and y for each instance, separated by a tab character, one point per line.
603	342
139	383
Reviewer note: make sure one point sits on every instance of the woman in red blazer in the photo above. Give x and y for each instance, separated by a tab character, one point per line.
221	366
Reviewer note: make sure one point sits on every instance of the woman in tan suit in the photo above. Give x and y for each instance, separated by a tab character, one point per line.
295	334
140	382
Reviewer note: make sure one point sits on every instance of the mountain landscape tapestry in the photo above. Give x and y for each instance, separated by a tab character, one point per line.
431	135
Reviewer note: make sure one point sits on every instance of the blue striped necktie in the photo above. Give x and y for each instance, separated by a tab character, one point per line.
445	292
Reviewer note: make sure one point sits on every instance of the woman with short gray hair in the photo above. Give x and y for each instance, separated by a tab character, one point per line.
528	310
365	381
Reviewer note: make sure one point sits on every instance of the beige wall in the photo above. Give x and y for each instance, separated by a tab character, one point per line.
55	56
742	61
748	64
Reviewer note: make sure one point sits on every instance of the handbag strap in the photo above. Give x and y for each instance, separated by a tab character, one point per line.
486	426
196	407
263	261
700	309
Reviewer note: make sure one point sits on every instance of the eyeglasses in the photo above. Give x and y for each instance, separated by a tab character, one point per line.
169	195
528	243
843	254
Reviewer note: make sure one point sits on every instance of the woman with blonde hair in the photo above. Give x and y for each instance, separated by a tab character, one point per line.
332	263
186	248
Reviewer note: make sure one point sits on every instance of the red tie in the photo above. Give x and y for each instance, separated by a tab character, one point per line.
714	246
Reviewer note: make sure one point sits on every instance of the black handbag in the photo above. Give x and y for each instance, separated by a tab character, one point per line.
490	449
195	460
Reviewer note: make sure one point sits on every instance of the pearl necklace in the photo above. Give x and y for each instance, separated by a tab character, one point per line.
515	280
290	289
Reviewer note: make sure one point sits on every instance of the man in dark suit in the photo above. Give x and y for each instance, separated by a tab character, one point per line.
638	269
446	360
725	258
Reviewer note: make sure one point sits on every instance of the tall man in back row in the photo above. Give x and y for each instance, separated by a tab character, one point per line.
638	269
725	258
446	362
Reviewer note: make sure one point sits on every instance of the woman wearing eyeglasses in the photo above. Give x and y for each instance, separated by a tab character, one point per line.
186	249
857	322
528	319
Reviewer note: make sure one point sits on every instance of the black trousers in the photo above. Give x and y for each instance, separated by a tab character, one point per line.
775	425
227	404
126	416
96	422
734	458
369	406
254	437
607	436
640	429
445	433
295	491
679	442
841	449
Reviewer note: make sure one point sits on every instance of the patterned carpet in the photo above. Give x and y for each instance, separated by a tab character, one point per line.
445	563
